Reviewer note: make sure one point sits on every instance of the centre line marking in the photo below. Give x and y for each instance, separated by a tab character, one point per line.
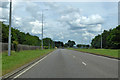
84	63
73	56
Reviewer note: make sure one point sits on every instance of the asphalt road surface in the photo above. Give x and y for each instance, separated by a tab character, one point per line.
63	63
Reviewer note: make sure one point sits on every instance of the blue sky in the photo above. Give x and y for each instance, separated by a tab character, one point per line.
78	21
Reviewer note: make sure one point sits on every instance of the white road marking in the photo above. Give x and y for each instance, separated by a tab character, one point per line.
80	59
30	67
73	56
84	63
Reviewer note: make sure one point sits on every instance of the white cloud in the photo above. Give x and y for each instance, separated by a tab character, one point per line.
95	28
63	22
4	11
37	26
86	33
85	38
91	20
4	4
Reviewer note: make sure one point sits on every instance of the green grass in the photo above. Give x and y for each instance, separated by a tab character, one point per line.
106	52
17	59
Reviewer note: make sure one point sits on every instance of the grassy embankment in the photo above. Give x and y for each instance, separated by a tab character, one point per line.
18	59
107	52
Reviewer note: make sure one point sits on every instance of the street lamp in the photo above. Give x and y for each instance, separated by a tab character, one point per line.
42	27
9	39
101	38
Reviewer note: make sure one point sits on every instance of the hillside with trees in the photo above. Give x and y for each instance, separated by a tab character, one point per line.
110	39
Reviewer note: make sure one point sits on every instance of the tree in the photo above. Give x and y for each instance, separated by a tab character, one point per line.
83	46
18	36
110	39
5	33
59	44
70	43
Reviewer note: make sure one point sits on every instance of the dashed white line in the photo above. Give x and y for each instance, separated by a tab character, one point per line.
73	56
84	63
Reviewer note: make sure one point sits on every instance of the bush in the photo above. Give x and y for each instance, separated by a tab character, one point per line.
46	47
15	44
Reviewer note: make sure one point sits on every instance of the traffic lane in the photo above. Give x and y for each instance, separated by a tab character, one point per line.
107	66
56	65
62	64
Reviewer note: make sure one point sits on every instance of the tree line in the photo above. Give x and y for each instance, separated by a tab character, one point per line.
110	39
83	46
18	37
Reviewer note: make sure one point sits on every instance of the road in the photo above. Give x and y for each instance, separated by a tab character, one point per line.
63	63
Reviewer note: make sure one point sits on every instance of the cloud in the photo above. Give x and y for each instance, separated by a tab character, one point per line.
82	22
4	11
119	13
95	28
61	22
70	9
86	33
85	38
34	10
92	20
37	27
4	4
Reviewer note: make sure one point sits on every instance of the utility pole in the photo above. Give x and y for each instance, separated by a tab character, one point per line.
101	38
9	38
42	30
90	41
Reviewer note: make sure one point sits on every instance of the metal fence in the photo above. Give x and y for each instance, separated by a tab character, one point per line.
4	47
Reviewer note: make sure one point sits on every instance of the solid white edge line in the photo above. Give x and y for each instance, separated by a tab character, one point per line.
30	67
104	57
84	63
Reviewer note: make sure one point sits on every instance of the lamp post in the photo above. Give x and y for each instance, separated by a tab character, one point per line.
42	30
101	38
9	38
42	27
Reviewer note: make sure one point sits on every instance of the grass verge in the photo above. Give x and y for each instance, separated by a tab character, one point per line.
105	52
18	59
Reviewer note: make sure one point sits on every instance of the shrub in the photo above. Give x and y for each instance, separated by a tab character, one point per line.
15	43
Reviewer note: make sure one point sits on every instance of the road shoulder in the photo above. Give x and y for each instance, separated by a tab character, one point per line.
22	68
97	54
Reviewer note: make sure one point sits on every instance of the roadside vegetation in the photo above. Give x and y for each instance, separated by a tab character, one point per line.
26	38
110	44
107	52
18	59
110	39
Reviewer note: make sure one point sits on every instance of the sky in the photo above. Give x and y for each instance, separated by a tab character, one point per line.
63	21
